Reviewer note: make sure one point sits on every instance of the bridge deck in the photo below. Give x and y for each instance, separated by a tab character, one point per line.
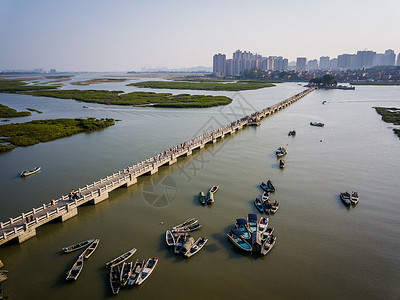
24	226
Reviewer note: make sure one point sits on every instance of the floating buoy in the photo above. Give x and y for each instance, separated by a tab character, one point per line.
162	223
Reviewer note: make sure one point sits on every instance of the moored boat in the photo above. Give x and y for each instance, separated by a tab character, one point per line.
292	133
268	187
125	273
214	189
280	152
169	238
318	124
265	196
261	228
115	279
31	172
120	259
190	228
259	205
187	245
197	246
354	198
268	244
345	197
252	223
210	198
282	164
202	198
135	271
241	224
90	250
76	269
147	270
186	223
180	241
236	237
77	246
271	207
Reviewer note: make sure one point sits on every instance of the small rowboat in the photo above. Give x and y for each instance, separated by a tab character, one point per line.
120	259
76	269
282	163
188	222
90	250
169	238
345	197
202	198
318	124
31	172
147	270
252	223
197	246
180	241
125	273
268	244
258	203
354	198
190	228
77	246
114	280
135	272
236	237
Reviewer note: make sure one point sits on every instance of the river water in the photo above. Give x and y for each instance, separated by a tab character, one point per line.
323	250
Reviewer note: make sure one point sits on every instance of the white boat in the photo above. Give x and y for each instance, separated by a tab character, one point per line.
120	259
197	246
114	279
90	250
135	271
188	222
147	270
31	172
77	246
268	244
169	238
261	228
76	269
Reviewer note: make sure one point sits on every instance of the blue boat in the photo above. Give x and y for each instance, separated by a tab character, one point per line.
236	237
252	223
241	224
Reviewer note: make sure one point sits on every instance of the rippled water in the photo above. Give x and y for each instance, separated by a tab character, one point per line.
323	249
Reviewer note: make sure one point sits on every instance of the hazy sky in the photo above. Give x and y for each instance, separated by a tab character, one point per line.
119	35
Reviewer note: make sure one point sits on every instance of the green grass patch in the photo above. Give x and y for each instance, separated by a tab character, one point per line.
8	112
136	98
208	86
390	115
14	86
40	131
35	110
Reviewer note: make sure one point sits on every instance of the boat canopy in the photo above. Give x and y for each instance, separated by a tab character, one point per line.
241	221
252	217
237	232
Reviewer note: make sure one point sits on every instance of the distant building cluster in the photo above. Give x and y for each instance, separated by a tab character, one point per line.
243	61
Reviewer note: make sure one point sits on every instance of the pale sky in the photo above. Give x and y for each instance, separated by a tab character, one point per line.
123	35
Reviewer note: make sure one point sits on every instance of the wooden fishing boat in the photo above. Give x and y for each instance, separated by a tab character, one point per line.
125	272
318	124
186	223
354	198
31	172
268	187
292	133
90	250
345	197
241	224
179	243
178	234
210	198
261	228
202	198
135	271
236	237
252	223
187	245
120	259
259	205
115	279
280	152
147	270
77	246
268	244
76	269
169	238
197	246
265	196
214	189
271	207
187	228
282	164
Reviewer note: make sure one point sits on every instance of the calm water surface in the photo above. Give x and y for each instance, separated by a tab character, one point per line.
323	249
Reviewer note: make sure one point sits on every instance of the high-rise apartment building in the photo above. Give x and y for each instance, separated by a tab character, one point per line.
398	60
389	58
365	59
324	62
219	65
301	63
312	64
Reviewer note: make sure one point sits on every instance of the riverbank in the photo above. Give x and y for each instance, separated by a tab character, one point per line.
40	131
374	83
206	86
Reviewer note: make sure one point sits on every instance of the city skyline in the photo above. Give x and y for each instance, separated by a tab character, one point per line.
128	35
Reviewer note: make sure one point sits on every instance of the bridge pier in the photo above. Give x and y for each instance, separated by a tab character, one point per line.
152	171
102	196
172	160
189	152
31	232
72	212
132	181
